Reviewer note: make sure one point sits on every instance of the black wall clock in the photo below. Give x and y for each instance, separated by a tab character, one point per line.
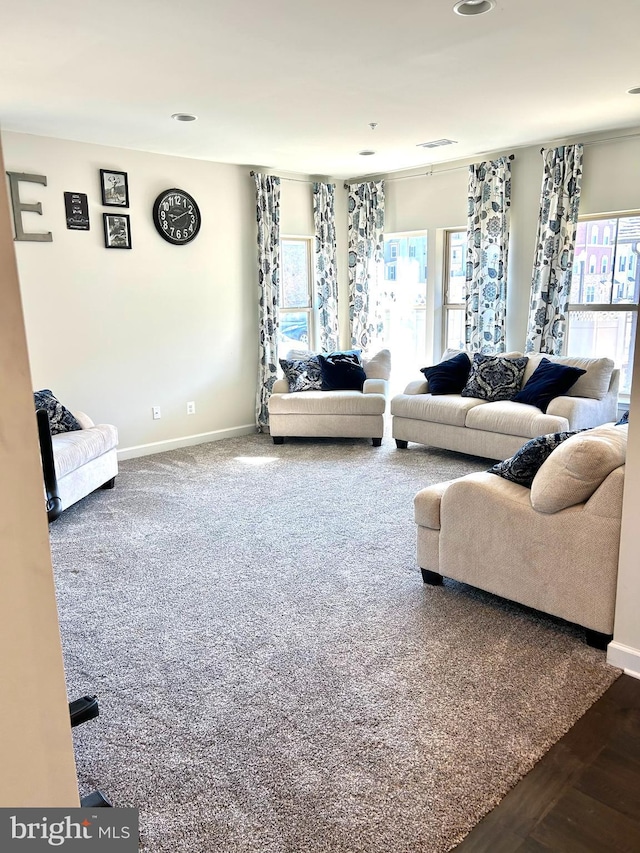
176	216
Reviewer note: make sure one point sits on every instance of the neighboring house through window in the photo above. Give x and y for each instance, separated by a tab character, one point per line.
607	327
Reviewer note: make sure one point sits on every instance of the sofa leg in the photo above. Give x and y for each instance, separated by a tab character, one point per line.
377	442
401	445
432	578
278	439
597	640
109	484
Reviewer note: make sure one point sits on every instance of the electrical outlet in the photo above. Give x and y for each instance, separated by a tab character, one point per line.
156	413
191	408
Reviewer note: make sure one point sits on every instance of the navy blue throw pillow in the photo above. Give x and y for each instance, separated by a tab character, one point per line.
523	466
60	418
547	381
624	419
341	371
448	377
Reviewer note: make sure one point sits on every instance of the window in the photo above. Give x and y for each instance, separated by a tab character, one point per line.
607	327
594	235
607	236
455	289
403	297
296	301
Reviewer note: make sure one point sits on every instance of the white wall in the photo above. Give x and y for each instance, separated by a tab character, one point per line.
115	332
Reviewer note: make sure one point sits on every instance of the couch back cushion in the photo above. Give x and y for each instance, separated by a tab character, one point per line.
576	468
593	383
377	366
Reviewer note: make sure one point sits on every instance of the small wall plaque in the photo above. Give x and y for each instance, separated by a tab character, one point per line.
77	210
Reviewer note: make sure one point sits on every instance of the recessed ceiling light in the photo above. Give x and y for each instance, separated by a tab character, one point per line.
473	7
634	91
366	153
184	117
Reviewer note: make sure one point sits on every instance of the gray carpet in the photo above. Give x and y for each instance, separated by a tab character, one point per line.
274	677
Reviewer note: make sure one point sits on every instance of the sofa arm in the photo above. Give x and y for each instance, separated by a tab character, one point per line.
280	386
585	412
417	386
375	386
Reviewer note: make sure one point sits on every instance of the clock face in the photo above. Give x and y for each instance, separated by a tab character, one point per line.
176	216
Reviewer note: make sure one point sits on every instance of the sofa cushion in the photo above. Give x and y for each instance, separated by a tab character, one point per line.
594	383
574	470
60	418
525	463
71	450
509	418
547	381
341	371
447	409
327	403
302	374
449	376
494	377
377	366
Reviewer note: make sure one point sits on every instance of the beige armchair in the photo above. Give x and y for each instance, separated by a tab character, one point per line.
553	547
345	414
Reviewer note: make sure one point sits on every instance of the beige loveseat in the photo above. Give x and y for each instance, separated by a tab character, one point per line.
496	430
84	460
345	414
553	547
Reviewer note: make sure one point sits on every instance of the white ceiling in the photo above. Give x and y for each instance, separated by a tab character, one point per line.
292	85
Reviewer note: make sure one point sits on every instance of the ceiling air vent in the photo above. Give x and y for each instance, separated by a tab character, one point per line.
436	143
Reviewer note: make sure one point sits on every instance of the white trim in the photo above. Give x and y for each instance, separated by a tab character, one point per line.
624	657
185	441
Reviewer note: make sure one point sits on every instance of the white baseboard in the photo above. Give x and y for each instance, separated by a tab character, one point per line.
624	657
185	441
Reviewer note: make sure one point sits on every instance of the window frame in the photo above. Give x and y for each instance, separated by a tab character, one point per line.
447	306
311	308
604	307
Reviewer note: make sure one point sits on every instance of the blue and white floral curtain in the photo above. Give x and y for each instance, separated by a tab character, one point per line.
555	246
366	253
268	218
487	255
325	264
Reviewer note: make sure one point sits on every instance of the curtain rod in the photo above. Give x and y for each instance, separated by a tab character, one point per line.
431	172
295	180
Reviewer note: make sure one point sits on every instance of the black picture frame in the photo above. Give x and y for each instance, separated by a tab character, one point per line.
115	188
117	231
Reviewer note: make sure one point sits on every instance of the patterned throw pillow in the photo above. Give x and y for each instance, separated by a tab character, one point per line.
494	377
624	419
302	374
60	418
341	371
523	466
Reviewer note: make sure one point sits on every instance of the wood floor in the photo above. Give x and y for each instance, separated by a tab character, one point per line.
584	796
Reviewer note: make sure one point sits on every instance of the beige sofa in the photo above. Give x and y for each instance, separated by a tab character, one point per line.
496	430
84	460
553	547
346	414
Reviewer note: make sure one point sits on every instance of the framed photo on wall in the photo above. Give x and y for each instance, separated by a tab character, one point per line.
117	231
115	188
